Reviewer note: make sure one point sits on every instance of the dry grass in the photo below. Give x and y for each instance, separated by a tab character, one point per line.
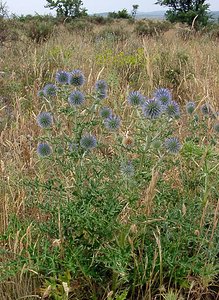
189	68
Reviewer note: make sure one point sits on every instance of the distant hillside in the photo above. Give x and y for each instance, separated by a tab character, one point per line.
151	15
215	14
156	15
142	15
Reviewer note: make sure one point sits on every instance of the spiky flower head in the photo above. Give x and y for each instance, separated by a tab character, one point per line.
172	109
216	127
152	108
43	149
44	119
135	98
172	145
190	107
127	169
156	144
163	95
128	142
62	77
112	123
88	142
50	89
101	89
76	78
206	109
76	98
105	112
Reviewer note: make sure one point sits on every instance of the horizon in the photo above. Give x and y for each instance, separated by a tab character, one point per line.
25	7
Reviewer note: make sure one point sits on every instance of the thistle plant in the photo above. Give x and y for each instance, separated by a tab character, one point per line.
109	190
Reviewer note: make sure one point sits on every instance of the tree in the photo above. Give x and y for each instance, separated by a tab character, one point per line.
134	10
67	8
192	12
3	10
121	14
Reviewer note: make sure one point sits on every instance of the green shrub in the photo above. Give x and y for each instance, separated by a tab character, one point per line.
112	34
121	215
39	31
79	25
151	28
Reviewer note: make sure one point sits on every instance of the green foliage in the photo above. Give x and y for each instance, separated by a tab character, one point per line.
192	12
39	31
151	28
121	14
79	25
3	9
67	8
91	223
112	34
134	10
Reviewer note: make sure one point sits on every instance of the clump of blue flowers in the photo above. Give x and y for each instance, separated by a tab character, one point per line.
172	109
172	145
163	95
105	112
127	169
152	108
44	149
88	142
112	123
50	89
76	78
44	119
135	98
62	77
76	98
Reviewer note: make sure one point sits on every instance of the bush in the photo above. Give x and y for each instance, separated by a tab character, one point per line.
151	28
112	34
121	14
39	31
8	31
79	25
112	211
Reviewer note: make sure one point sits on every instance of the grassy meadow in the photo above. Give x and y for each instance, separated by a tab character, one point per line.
129	216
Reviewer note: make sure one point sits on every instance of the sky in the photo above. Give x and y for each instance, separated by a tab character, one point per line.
94	6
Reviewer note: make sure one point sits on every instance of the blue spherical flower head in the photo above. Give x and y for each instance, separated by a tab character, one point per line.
62	77
172	109
105	112
216	127
88	142
190	107
127	169
135	98
101	89
44	120
163	95
76	78
112	123
152	109
172	145
50	89
206	109
43	149
76	98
